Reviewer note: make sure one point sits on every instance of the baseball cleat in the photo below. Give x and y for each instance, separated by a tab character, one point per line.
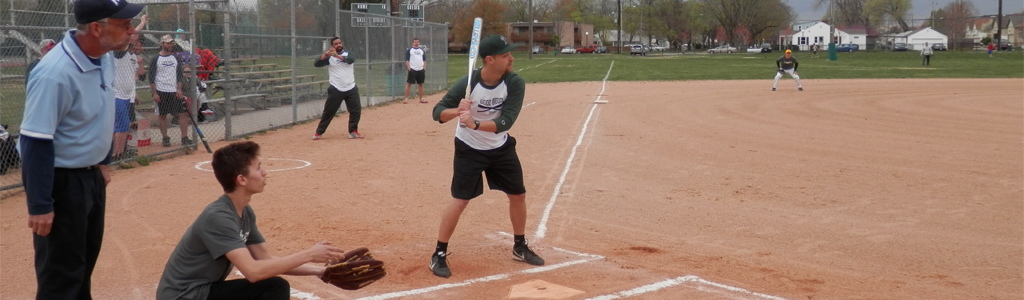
773	89
355	135
524	254
439	265
801	89
316	136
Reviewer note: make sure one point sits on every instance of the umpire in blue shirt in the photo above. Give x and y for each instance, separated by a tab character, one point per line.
66	138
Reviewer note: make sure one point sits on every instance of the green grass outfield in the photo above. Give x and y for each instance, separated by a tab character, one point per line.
863	64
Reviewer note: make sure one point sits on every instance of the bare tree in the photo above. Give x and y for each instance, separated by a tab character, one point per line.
846	12
757	17
894	10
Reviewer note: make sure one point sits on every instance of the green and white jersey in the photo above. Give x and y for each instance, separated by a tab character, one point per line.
500	103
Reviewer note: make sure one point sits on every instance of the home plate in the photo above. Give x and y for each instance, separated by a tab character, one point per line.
601	101
539	289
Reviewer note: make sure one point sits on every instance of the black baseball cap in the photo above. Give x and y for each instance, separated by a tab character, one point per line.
88	11
493	45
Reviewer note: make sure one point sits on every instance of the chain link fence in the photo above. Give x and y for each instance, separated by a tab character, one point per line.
262	76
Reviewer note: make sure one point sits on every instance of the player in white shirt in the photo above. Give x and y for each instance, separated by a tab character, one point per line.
340	69
416	64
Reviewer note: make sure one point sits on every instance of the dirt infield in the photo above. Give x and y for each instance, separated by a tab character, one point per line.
852	189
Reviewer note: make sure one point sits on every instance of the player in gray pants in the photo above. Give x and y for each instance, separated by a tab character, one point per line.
788	65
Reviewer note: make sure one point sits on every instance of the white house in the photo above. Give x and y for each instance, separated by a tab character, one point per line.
917	38
818	34
801	26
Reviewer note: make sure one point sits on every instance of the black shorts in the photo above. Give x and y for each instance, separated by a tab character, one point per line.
170	103
501	165
416	77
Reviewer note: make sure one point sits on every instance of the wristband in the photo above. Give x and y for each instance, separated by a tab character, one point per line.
477	123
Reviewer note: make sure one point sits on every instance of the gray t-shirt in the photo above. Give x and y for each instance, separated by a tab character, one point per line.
199	259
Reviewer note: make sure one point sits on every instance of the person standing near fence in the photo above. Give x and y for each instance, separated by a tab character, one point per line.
66	137
417	67
340	70
127	69
44	47
166	81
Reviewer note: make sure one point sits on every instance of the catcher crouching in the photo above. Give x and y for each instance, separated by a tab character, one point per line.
225	235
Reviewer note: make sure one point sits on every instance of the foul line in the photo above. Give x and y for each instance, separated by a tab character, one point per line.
538	65
542	227
589	257
672	282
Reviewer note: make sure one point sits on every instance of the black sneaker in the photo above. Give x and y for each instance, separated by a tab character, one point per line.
186	142
801	89
439	265
524	254
167	141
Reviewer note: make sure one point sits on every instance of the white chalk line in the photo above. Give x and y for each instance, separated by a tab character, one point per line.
542	228
475	280
538	65
199	165
679	280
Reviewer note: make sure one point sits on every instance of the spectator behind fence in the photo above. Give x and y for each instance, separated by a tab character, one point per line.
127	69
44	47
166	81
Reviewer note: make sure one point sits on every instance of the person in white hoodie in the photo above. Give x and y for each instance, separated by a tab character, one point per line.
926	53
340	65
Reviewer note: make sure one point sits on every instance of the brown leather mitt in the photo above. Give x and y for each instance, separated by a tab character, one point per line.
356	269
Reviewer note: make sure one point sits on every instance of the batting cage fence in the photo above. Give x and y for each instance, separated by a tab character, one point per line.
249	68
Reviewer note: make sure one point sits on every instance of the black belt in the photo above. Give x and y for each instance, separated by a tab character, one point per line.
80	169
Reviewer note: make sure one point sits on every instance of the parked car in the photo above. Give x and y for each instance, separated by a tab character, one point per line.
899	47
538	50
587	49
601	49
938	47
762	48
847	47
568	50
722	49
1005	46
637	50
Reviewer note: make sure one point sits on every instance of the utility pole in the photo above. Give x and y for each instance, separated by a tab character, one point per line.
530	7
831	33
618	17
999	26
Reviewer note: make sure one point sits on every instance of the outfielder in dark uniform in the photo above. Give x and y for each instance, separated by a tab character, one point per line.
340	70
484	145
787	63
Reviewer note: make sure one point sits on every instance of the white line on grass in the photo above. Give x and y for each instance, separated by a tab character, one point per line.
542	228
676	281
538	65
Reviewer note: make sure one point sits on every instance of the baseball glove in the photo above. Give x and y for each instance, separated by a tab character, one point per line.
356	269
780	70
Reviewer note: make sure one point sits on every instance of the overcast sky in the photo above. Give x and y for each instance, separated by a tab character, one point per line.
805	8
